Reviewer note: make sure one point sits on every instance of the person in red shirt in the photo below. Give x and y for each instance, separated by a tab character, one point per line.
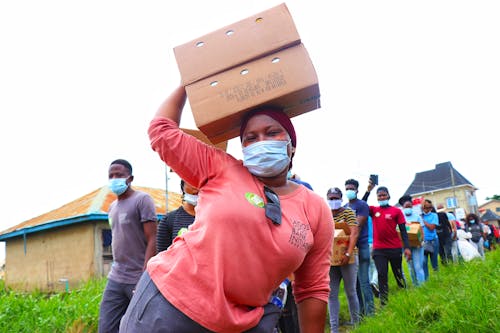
386	242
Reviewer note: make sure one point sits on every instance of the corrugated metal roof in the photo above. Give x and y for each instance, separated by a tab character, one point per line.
92	204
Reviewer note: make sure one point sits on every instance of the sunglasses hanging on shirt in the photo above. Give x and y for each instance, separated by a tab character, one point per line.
272	206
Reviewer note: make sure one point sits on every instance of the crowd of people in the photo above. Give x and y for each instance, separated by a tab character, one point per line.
250	249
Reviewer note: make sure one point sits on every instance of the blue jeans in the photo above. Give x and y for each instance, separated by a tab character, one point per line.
434	259
349	274
372	271
479	245
363	288
416	266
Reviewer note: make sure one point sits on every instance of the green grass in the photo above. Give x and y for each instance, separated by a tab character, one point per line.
74	311
459	298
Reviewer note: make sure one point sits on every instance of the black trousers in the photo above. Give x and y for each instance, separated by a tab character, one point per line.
382	258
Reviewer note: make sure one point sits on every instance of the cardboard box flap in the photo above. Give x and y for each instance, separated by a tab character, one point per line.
415	234
235	44
338	233
343	226
202	137
286	79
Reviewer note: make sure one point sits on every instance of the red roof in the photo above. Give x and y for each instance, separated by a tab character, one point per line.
97	202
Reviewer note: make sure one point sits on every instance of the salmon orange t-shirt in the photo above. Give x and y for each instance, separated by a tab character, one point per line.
221	272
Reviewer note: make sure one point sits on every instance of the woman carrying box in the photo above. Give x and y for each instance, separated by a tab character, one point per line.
416	264
253	228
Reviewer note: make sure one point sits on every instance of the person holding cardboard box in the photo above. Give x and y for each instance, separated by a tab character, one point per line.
344	264
253	228
416	264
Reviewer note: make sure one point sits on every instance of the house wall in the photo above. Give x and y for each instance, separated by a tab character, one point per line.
439	197
493	205
103	257
66	252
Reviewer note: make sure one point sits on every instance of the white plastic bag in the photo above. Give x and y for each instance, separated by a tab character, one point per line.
467	250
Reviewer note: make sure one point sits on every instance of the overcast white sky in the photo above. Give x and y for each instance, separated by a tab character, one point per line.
404	86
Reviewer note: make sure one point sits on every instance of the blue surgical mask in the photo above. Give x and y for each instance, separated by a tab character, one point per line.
335	204
266	158
472	221
383	203
350	194
408	211
191	199
118	185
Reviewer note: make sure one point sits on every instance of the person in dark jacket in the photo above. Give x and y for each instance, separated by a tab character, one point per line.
476	228
444	232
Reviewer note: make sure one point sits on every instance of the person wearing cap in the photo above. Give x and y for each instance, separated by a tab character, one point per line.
386	242
347	269
253	228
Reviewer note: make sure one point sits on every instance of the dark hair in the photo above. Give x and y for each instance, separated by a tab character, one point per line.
182	186
472	216
334	190
352	182
125	163
382	189
404	199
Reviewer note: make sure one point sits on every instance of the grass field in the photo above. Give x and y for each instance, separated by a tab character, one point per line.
459	298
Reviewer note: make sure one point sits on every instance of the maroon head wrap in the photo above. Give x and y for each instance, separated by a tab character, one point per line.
275	113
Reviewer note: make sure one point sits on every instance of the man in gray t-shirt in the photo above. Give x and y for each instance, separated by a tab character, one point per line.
132	217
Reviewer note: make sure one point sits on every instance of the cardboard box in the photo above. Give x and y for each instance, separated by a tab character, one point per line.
286	79
343	226
340	245
235	44
415	234
202	137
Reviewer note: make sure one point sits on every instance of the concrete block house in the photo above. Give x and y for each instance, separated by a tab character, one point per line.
445	185
68	245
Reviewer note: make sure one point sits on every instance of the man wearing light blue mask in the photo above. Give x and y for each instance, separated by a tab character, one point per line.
132	217
360	207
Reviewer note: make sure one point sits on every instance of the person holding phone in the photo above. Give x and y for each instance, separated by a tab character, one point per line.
362	211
